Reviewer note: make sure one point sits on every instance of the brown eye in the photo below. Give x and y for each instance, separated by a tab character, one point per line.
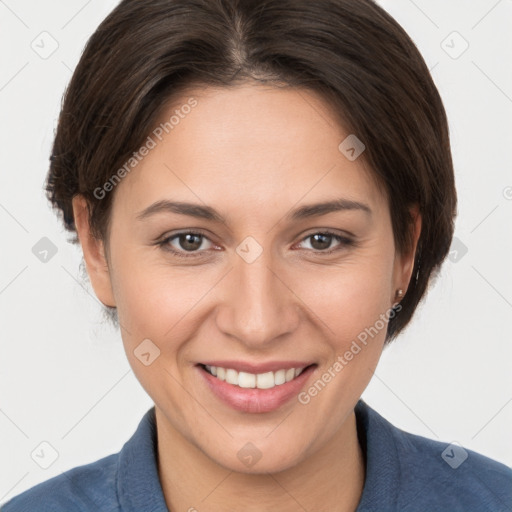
190	241
321	242
187	244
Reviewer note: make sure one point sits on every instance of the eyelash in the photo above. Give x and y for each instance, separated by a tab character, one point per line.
344	241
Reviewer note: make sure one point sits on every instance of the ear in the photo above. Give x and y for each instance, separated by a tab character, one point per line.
404	263
94	253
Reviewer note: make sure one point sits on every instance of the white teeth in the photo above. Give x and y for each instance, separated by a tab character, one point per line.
265	380
290	374
250	380
246	380
280	377
231	376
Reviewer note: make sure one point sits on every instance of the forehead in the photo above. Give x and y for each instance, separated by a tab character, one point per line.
253	146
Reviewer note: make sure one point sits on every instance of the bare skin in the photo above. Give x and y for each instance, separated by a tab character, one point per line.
254	154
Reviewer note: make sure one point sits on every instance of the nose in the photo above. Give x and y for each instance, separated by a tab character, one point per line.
257	306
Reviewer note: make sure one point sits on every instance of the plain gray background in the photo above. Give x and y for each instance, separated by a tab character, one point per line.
64	378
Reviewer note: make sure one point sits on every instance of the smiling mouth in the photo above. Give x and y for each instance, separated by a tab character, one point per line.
267	380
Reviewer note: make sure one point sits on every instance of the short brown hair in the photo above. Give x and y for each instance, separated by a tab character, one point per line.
352	52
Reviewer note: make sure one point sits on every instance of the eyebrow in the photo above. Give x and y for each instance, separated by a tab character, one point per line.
208	213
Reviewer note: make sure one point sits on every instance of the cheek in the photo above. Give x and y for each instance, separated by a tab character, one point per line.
158	303
353	307
155	300
350	297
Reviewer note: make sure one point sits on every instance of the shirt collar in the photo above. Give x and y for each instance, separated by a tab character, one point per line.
382	479
138	484
139	488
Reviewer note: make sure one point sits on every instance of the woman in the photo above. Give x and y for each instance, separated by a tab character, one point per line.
263	191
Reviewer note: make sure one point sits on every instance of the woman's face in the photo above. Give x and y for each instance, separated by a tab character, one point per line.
262	284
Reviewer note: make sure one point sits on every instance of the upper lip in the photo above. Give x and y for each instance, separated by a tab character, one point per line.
246	366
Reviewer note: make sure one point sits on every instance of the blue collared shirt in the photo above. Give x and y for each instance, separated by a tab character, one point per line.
404	472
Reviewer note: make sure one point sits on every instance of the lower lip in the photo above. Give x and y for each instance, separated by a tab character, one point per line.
256	400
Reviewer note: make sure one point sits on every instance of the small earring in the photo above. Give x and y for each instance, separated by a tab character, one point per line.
398	295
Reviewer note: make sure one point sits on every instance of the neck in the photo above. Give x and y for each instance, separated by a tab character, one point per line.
331	479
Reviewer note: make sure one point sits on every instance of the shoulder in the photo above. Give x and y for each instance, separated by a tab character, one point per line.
450	476
84	488
430	474
127	480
